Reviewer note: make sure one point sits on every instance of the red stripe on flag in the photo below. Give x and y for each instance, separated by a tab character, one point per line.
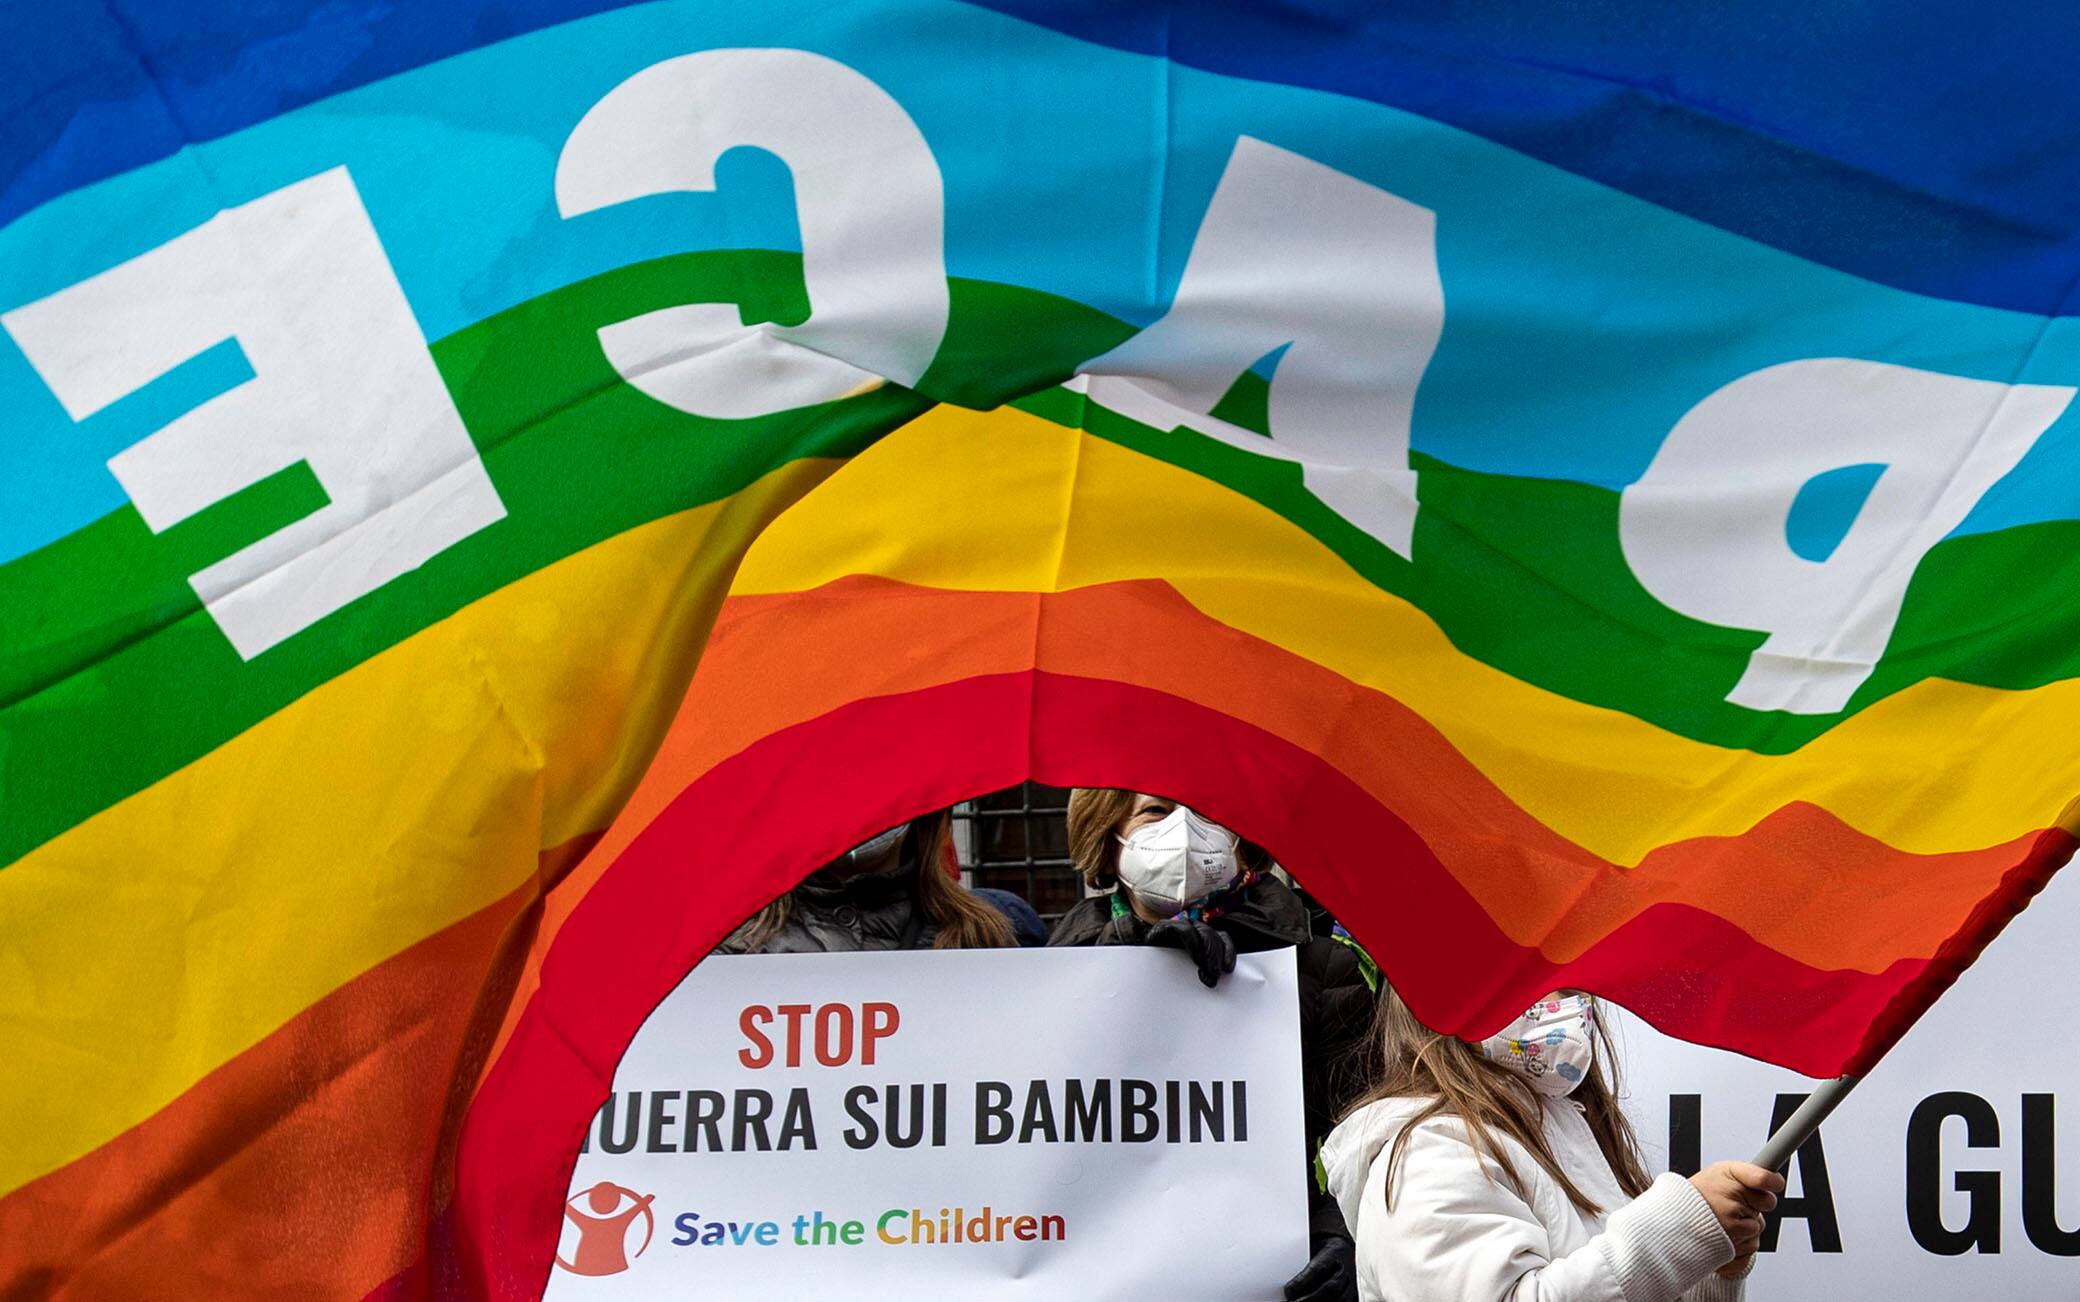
799	796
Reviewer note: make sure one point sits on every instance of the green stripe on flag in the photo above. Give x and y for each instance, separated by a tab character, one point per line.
112	676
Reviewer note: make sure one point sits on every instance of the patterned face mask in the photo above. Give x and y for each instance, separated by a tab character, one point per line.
1551	1045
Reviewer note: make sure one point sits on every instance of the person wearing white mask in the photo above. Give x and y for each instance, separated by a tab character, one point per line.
1185	882
1503	1170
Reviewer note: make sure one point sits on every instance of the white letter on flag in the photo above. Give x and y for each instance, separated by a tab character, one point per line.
870	205
342	380
1344	276
1704	527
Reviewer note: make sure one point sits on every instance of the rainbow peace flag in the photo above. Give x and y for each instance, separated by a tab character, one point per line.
494	490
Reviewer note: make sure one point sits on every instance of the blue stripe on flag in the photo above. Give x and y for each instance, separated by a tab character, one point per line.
1920	144
89	90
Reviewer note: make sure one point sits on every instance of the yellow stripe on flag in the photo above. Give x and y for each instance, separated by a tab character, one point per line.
976	500
396	799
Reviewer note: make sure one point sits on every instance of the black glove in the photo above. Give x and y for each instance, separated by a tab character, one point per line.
1211	950
1332	1276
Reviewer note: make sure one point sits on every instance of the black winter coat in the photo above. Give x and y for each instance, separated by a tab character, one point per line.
830	914
1336	1004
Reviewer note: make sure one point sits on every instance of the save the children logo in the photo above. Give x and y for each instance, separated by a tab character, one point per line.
604	1223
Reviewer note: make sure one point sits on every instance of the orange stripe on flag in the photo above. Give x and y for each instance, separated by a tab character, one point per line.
307	1166
1800	881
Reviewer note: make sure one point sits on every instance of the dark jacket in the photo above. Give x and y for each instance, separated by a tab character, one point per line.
1026	927
832	914
1336	1004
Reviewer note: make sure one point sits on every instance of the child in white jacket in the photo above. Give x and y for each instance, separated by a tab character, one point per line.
1504	1171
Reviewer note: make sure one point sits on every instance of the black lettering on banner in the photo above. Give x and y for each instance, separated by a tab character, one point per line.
864	1132
1981	1231
2039	1179
661	1116
1138	1122
993	1121
1210	1108
939	1115
704	1109
1815	1201
1686	1133
1241	1089
796	1125
1039	1118
630	1133
754	1109
1089	1115
892	1111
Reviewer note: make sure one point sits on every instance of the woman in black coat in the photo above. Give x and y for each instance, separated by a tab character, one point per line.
892	891
1186	882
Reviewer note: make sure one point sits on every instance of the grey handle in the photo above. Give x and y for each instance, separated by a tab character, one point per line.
1778	1148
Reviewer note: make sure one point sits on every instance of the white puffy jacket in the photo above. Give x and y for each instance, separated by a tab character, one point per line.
1458	1232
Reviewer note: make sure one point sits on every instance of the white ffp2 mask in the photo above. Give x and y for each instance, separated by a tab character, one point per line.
1175	862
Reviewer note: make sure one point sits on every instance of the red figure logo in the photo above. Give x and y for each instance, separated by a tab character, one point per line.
603	1228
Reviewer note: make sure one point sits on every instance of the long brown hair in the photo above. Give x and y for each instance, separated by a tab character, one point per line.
1093	813
961	920
1416	1062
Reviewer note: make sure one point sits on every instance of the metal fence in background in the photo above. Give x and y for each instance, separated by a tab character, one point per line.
1016	840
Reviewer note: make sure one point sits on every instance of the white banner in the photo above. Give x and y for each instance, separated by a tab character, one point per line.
950	1124
1953	1171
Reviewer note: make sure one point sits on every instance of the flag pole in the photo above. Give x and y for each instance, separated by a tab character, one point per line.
1800	1125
